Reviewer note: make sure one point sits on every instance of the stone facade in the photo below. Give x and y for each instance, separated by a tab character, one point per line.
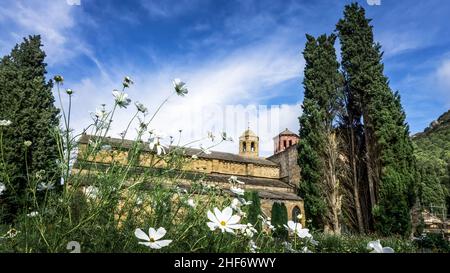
275	178
284	140
289	168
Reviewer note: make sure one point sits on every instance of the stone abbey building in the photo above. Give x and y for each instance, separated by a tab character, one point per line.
275	178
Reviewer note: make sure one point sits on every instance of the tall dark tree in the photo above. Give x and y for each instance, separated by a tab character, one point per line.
388	151
254	209
26	100
279	217
317	147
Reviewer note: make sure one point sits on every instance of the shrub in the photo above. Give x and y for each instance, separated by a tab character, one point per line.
279	219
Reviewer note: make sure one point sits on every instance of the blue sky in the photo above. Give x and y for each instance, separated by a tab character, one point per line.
244	56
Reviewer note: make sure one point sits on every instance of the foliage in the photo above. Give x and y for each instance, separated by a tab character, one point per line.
321	82
348	243
434	242
432	151
388	151
30	148
279	218
254	209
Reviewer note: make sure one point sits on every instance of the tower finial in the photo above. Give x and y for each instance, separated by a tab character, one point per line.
248	125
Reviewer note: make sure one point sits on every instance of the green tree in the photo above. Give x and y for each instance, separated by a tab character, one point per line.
279	217
432	151
388	161
254	209
322	84
26	100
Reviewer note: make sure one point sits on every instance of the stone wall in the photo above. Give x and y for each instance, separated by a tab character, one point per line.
283	142
203	165
266	207
289	168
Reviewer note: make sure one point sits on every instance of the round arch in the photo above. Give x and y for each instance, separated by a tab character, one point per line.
296	212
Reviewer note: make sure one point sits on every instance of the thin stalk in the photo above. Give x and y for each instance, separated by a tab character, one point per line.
159	108
128	126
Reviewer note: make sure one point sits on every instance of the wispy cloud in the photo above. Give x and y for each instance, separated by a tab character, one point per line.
168	8
52	20
220	90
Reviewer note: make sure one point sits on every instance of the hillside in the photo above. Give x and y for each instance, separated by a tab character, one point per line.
432	149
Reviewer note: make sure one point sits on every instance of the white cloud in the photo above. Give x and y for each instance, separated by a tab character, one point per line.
394	43
225	91
53	20
221	92
168	8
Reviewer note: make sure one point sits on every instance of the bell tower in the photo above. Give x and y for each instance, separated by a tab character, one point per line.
285	140
249	144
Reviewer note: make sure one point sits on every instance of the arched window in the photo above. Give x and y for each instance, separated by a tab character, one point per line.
252	146
296	212
284	144
244	146
290	143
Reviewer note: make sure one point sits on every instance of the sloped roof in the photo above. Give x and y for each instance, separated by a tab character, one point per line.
287	132
117	142
265	192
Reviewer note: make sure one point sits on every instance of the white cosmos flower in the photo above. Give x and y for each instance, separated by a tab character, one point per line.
91	192
152	240
297	229
306	250
267	222
245	202
2	188
248	230
33	214
378	248
5	122
45	186
191	203
224	220
154	142
194	156
180	87
141	107
121	98
252	246
235	204
100	113
234	180
237	191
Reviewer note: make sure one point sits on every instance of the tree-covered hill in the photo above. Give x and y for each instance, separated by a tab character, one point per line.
432	150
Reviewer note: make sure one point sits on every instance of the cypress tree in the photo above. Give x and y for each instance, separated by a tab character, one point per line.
254	209
279	217
26	100
322	84
388	151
